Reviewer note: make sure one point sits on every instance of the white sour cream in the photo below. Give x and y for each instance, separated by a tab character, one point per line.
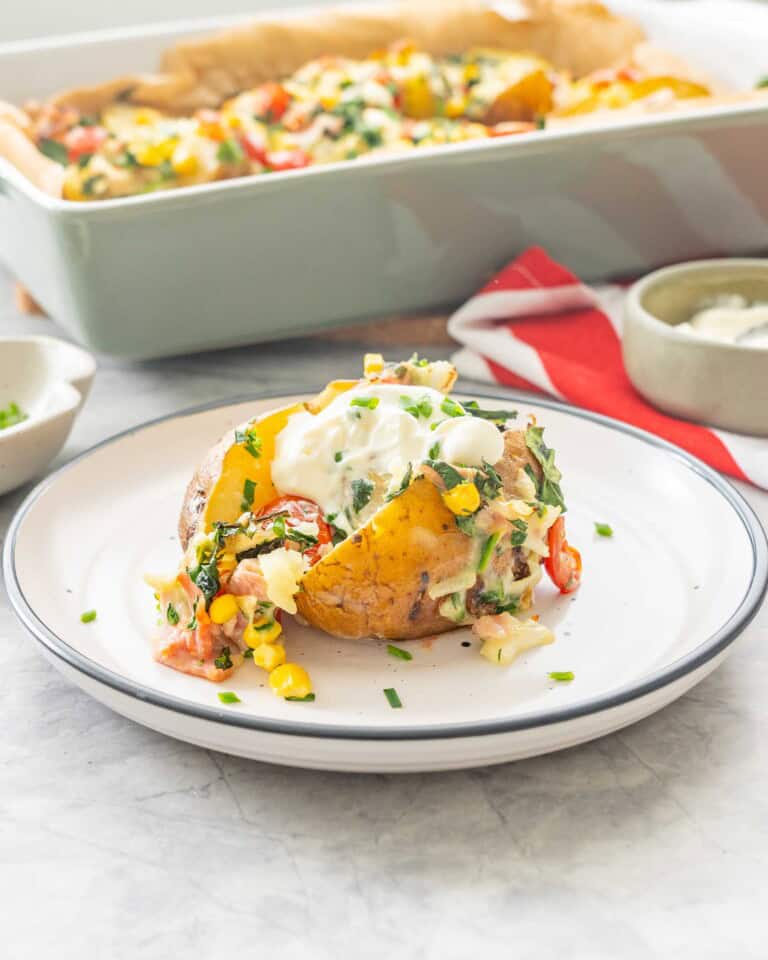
320	457
730	318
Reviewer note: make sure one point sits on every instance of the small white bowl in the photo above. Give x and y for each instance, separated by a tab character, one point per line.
716	383
49	380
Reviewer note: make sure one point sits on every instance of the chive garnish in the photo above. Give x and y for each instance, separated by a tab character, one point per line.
452	409
250	440
562	676
309	698
88	617
416	408
398	652
11	415
249	488
603	529
228	697
392	698
172	615
370	403
487	551
337	456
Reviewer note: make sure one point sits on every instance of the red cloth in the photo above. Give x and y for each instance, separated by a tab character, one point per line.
535	326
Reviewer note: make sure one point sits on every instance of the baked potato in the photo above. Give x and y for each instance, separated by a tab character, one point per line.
380	508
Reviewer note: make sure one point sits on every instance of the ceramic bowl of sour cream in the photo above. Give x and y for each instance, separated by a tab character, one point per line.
695	342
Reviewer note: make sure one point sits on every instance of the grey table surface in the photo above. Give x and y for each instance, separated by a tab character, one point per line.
117	842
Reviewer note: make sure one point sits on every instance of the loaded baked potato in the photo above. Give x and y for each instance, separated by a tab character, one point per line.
381	508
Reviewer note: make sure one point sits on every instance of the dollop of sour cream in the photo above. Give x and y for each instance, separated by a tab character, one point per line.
730	318
372	433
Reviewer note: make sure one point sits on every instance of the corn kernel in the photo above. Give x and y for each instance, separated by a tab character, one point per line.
328	102
258	633
185	164
290	680
223	608
144	117
269	656
153	154
72	189
462	499
471	72
455	107
372	363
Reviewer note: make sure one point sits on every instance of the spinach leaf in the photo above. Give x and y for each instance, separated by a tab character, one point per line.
549	488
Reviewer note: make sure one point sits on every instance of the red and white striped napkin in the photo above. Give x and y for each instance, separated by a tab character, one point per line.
535	326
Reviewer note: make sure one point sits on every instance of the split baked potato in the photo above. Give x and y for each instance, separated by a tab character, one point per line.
380	508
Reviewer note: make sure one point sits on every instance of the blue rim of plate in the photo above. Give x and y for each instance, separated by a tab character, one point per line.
708	649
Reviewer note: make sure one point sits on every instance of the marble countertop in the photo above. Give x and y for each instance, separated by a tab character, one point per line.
117	842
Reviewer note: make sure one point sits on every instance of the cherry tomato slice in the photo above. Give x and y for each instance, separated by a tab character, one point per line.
82	140
272	100
564	561
287	159
298	510
254	148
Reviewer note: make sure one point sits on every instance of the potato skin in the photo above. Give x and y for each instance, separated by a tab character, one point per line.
376	582
200	486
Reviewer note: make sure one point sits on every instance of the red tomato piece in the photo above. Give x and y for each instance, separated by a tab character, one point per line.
287	159
564	561
272	101
82	140
254	148
298	510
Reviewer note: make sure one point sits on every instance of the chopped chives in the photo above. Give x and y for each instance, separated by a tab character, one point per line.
392	698
487	551
88	617
370	403
228	697
398	652
562	676
309	698
603	529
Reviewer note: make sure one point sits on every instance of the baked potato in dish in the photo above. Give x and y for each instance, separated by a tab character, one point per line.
380	508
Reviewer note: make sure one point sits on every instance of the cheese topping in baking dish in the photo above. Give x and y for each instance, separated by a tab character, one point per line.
331	109
355	453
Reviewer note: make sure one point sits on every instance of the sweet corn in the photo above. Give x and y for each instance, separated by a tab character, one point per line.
153	154
269	655
185	164
462	499
328	102
455	107
258	633
290	680
145	117
373	363
72	189
418	100
223	608
471	72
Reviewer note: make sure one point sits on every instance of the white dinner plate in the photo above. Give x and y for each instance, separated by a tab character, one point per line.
661	602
